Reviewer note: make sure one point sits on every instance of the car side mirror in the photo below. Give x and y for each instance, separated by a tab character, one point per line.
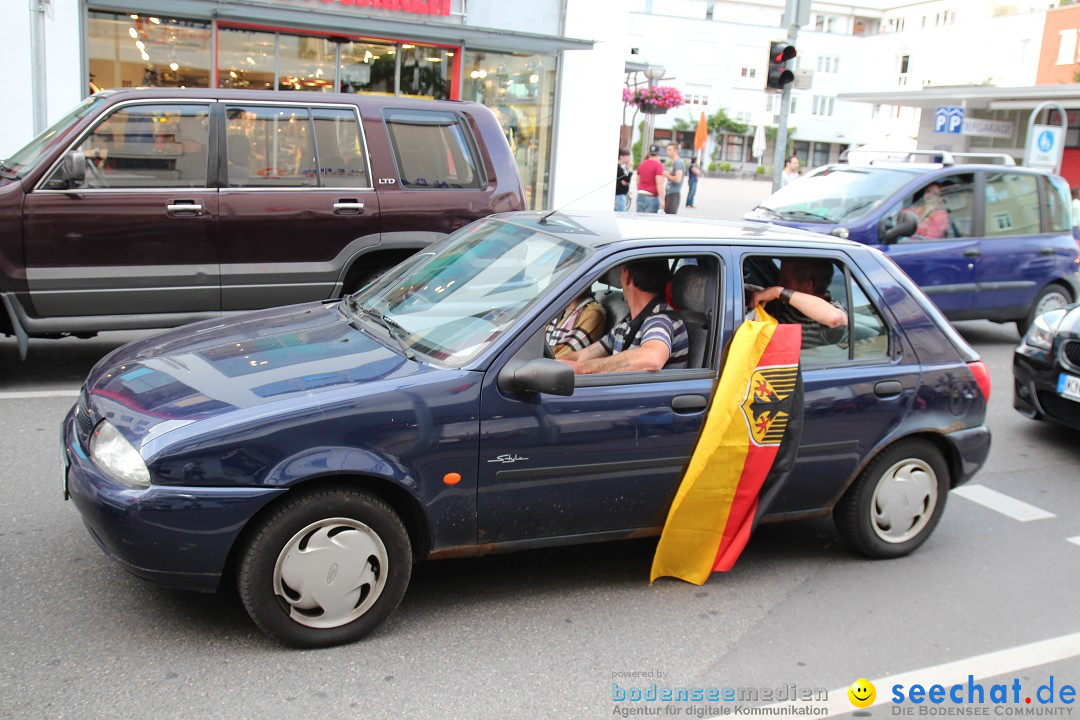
906	225
71	173
539	375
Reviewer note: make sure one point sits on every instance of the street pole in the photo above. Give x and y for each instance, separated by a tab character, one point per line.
780	151
37	63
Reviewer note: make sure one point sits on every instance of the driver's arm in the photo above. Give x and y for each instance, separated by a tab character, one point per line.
596	350
652	355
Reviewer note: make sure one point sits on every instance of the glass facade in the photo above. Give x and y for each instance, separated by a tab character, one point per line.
131	50
521	91
142	50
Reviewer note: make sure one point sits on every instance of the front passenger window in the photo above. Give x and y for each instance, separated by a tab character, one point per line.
149	146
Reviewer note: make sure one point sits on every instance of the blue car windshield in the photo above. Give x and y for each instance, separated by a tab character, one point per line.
453	302
836	193
29	155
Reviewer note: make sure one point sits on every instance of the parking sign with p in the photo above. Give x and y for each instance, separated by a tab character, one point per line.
949	119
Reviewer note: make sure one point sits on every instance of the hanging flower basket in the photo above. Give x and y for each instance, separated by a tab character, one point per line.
653	100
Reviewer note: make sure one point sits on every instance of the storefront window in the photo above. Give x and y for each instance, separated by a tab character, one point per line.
521	91
246	59
425	71
306	63
147	51
367	68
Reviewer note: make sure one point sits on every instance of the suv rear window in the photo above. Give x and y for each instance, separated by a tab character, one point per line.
433	150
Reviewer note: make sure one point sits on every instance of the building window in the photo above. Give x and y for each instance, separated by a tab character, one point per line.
710	7
748	72
521	91
821	153
147	51
367	67
903	63
734	148
823	105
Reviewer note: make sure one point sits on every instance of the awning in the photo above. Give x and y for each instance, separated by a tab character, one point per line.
973	97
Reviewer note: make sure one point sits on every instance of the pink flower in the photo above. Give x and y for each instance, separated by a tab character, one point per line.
662	97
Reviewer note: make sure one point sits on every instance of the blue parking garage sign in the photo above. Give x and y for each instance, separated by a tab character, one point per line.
949	119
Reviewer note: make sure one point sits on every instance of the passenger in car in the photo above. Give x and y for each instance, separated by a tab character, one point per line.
652	337
580	325
803	297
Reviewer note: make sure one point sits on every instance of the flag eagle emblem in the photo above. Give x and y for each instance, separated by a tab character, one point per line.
767	405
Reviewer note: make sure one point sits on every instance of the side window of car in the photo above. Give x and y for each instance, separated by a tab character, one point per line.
943	208
1012	204
342	160
1058	204
269	146
432	149
689	299
861	333
149	146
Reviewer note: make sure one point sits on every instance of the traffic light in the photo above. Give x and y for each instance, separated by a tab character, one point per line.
778	74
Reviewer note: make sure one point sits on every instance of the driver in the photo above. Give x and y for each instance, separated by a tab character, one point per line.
650	338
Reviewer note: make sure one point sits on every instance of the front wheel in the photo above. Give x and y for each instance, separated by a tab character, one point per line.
896	501
1052	297
325	568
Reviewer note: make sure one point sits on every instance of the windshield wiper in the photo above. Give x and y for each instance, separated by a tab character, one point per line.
4	169
804	214
768	211
393	329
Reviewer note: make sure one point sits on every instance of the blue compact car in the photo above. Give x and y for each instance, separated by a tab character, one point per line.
313	453
990	242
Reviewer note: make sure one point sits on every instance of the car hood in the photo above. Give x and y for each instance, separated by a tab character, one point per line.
822	228
285	355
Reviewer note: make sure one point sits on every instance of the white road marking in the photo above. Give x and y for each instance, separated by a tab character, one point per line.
1073	540
991	664
1010	506
30	394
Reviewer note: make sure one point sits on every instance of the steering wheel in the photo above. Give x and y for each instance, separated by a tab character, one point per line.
95	172
548	352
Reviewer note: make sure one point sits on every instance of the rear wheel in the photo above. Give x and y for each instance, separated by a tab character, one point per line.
1052	297
325	568
896	501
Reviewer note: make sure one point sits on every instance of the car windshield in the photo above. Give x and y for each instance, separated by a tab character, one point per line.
835	193
25	159
452	304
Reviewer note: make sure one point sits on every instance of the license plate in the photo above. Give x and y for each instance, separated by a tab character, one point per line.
1069	386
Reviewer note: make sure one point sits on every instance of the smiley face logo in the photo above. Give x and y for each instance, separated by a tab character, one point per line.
862	693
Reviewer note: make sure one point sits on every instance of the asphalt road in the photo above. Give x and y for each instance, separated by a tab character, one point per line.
543	634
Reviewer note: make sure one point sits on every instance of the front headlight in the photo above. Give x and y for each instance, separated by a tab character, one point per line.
1042	331
115	455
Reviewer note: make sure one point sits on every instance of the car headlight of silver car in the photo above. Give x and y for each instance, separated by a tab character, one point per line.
115	455
1043	329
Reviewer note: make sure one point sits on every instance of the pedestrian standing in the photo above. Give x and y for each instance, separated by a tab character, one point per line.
674	177
622	181
790	171
692	174
650	180
1076	206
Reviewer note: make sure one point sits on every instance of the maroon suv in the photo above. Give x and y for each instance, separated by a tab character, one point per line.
156	207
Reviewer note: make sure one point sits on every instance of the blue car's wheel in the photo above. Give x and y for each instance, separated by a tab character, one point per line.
896	501
325	568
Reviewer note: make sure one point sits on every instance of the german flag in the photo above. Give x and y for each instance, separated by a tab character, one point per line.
744	454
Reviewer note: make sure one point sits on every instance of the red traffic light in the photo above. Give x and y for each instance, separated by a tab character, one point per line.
778	74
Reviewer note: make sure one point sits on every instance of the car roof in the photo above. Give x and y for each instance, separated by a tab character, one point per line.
300	98
920	169
604	227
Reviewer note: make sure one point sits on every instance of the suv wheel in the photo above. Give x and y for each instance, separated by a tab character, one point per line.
896	502
1052	297
325	568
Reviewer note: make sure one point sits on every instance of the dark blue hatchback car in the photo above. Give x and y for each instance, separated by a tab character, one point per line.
316	451
991	242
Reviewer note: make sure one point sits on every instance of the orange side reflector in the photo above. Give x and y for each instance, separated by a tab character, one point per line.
451	478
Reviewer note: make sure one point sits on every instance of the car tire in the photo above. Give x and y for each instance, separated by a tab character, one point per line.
896	502
325	568
1052	297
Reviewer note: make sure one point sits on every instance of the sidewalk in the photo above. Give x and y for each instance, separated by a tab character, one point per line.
722	198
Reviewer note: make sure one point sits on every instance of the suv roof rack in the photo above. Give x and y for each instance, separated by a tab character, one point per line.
942	157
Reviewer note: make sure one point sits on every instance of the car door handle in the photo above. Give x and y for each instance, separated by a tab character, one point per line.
348	206
689	403
1047	251
973	252
888	388
183	208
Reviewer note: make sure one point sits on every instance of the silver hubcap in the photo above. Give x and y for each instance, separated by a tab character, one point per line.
904	500
1052	300
331	572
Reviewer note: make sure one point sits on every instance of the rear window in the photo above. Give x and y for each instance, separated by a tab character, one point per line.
269	146
433	150
1012	204
1057	204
